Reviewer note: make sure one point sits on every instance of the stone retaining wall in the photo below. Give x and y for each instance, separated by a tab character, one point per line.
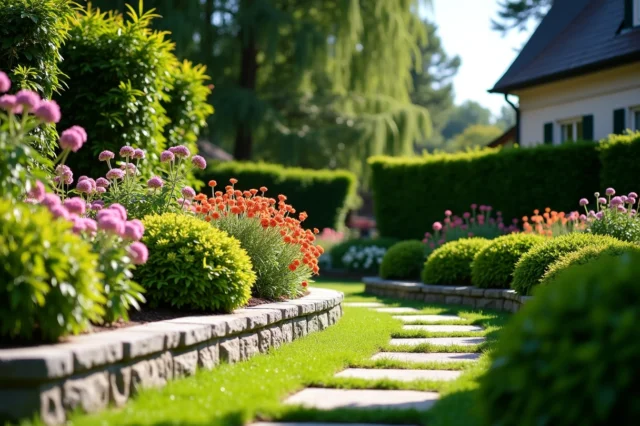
499	299
92	371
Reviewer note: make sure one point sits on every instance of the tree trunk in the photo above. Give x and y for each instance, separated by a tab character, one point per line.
248	73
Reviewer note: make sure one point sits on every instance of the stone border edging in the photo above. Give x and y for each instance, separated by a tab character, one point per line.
91	371
499	299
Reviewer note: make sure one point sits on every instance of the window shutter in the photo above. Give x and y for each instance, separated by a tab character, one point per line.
628	14
548	133
587	127
619	124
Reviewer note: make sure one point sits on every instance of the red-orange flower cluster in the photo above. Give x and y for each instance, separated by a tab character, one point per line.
270	212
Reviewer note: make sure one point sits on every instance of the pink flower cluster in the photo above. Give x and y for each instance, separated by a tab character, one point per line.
27	101
619	203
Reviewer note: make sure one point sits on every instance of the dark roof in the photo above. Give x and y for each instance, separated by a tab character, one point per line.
576	37
503	139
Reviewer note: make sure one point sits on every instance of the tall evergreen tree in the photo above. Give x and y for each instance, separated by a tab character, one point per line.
517	14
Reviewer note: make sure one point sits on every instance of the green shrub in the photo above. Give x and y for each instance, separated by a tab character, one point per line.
324	194
451	263
403	261
570	356
586	255
502	179
532	266
493	266
193	265
616	224
618	156
119	78
361	255
49	286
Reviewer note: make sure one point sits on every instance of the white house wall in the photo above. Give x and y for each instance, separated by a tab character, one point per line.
597	94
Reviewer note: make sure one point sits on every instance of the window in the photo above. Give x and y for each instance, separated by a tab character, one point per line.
636	13
571	130
635	118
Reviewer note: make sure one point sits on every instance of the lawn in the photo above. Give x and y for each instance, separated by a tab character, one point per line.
233	395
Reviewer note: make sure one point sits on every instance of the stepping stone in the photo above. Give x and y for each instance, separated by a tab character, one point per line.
364	304
440	341
427	318
399	374
442	328
330	399
427	357
313	424
397	310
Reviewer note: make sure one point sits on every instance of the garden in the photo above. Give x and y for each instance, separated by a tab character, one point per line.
143	283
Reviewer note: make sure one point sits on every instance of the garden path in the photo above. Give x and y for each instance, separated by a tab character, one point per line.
437	350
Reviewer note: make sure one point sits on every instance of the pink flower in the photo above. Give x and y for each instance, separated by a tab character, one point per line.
155	182
80	131
602	200
437	226
633	195
5	82
138	154
474	206
427	235
110	223
28	99
59	212
97	204
37	192
139	253
616	201
610	191
188	193
78	225
106	156
134	230
64	174
621	209
122	212
84	186
624	198
447	213
599	215
180	151
126	151
432	245
483	207
584	202
101	190
184	203
167	156
466	215
102	183
48	112
50	200
71	139
129	168
583	217
631	200
75	205
114	174
199	162
9	104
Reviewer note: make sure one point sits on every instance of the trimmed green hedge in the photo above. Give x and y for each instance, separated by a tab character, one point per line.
514	181
450	264
324	194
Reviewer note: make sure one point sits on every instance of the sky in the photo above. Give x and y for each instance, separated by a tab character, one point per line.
465	29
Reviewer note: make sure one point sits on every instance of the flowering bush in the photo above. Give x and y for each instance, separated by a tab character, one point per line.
477	223
360	255
49	286
283	253
552	223
614	215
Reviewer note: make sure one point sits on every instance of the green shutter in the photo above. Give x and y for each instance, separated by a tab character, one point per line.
628	14
548	133
619	124
587	127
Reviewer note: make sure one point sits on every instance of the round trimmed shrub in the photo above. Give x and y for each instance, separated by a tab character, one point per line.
570	356
403	261
493	266
50	286
587	255
193	265
451	263
532	266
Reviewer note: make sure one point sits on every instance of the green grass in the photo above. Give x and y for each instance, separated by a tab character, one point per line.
234	395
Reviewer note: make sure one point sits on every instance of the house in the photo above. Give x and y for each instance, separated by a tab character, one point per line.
578	77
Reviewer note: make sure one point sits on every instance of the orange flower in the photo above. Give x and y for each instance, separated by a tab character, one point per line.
233	181
263	189
304	284
212	183
292	267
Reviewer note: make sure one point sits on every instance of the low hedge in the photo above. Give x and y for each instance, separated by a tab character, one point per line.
403	261
532	266
493	266
451	263
324	194
618	158
570	356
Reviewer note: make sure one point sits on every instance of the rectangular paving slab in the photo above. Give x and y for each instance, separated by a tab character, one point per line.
427	357
440	341
363	304
330	399
427	318
443	328
397	310
399	374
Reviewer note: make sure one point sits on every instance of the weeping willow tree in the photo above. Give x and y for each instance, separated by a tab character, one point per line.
316	83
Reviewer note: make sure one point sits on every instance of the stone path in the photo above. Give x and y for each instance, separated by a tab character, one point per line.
330	398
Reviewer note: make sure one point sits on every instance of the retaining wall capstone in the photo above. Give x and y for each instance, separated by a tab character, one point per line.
91	372
498	299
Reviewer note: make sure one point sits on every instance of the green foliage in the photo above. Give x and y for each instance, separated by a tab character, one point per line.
532	265
49	287
570	356
619	170
119	77
616	224
451	263
502	179
193	265
325	195
585	256
493	265
353	255
403	261
477	135
463	116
